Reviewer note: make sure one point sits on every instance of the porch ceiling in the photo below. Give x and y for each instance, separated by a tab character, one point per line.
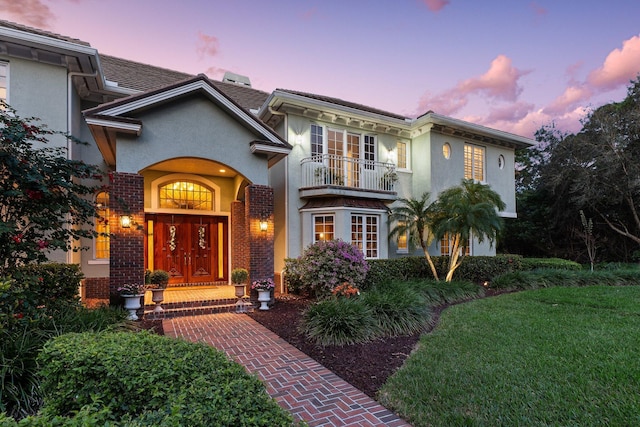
195	166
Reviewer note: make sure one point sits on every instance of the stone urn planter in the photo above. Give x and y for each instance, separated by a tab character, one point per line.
263	287
239	278
264	297
157	297
132	304
157	283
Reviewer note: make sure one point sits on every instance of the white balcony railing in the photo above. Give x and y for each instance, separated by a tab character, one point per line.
329	169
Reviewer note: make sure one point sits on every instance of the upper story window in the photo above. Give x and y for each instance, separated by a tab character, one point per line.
323	228
185	195
340	143
316	140
402	152
4	81
369	151
101	241
474	162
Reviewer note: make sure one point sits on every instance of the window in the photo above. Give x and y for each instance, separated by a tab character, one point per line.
364	234
316	140
4	81
185	195
101	241
446	150
403	158
473	162
369	151
501	161
446	245
403	240
322	228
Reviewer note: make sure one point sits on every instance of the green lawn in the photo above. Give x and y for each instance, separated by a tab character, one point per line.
556	356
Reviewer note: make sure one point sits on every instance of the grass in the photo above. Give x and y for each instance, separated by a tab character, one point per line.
556	356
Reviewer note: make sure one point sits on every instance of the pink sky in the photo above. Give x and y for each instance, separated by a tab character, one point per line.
514	66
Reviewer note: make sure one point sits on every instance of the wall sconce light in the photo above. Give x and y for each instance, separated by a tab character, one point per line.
125	221
298	139
264	225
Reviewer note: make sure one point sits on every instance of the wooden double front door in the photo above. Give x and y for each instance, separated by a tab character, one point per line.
192	248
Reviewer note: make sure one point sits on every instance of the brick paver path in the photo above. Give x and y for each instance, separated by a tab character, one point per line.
301	385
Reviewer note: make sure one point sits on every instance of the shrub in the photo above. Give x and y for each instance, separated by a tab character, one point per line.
153	380
476	269
293	275
397	309
549	263
327	264
554	277
20	343
239	276
339	321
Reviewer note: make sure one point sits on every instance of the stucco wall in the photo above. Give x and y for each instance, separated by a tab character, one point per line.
194	127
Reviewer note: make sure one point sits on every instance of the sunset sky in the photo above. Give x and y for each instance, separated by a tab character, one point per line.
514	65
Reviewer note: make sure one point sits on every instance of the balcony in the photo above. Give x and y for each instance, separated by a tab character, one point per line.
332	175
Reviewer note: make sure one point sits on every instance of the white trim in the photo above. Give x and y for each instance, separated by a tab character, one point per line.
7	82
508	214
114	124
63	45
103	261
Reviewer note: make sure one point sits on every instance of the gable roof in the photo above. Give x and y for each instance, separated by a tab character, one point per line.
107	119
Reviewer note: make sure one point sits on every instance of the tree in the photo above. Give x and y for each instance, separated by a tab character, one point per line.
415	216
465	210
45	204
600	168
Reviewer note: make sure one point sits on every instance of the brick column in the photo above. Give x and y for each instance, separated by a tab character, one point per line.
259	207
126	262
239	241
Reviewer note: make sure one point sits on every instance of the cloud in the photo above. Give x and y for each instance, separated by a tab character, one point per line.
537	9
435	5
309	14
28	12
500	82
207	45
620	66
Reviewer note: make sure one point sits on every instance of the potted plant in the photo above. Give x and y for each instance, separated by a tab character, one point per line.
239	278
158	281
132	293
264	288
388	180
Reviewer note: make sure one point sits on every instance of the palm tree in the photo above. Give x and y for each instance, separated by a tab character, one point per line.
468	209
415	217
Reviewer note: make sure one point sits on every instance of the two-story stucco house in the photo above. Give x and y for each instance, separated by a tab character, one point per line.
207	176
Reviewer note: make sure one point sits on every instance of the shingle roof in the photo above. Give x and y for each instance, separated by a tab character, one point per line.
20	27
344	103
144	77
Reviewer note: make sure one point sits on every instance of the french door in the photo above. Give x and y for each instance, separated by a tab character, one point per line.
192	248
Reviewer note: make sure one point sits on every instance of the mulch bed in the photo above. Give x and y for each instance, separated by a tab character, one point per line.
365	366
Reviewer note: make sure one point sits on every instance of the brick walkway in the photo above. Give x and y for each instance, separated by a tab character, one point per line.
302	386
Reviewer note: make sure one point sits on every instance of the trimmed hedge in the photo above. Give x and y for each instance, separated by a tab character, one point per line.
549	263
153	380
476	269
557	277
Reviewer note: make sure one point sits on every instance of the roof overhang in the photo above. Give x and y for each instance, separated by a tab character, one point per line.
450	126
281	101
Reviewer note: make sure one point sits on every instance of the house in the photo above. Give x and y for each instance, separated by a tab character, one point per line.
206	176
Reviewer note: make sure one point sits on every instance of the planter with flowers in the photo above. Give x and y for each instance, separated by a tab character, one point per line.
158	281
132	294
264	288
239	278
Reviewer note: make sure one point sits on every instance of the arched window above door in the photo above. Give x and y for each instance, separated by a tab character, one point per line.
185	194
